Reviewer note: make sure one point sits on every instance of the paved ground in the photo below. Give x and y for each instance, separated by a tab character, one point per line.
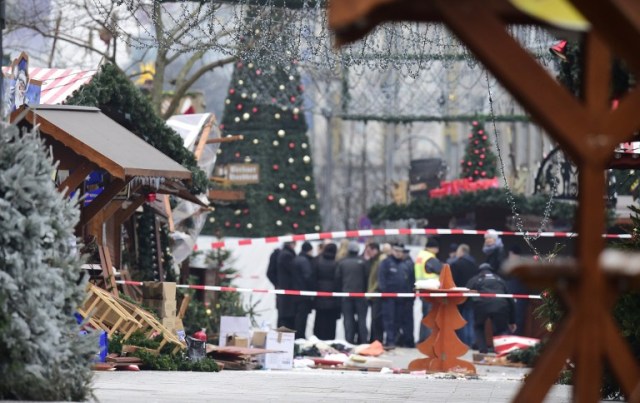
494	385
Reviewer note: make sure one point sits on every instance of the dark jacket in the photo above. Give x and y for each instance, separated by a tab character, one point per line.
324	269
272	270
285	269
352	274
302	273
395	276
496	258
463	269
488	282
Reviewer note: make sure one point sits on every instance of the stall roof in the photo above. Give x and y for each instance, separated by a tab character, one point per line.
95	136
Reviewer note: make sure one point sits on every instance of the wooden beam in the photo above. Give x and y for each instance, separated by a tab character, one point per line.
204	136
552	106
618	21
76	178
123	214
102	200
107	270
597	75
226	139
226	195
167	209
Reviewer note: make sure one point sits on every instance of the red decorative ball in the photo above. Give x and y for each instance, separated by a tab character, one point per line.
273	100
254	110
292	145
480	131
270	197
245	211
474	123
470	136
239	64
232	91
301	88
292	99
476	151
303	213
476	142
258	72
239	107
480	163
295	225
287	208
481	156
469	163
237	225
294	186
483	173
221	127
237	154
227	224
200	335
475	172
462	161
275	167
484	137
295	116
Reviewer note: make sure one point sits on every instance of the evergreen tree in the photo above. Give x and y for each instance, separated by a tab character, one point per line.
43	355
264	104
479	160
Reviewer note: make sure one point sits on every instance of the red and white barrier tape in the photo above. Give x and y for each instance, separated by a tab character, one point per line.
343	294
393	232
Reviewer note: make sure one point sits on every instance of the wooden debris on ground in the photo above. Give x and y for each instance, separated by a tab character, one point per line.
237	358
492	359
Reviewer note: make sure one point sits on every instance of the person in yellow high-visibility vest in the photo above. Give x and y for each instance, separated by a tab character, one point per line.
427	266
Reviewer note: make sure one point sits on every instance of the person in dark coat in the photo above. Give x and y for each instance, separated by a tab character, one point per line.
501	311
272	272
463	269
327	309
352	276
286	303
493	249
394	274
302	280
516	286
373	263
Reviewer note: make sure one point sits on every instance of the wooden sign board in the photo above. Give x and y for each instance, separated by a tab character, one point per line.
240	174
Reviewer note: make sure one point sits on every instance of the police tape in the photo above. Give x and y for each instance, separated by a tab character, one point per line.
327	294
317	236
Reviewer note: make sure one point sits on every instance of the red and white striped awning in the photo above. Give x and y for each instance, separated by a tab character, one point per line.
57	84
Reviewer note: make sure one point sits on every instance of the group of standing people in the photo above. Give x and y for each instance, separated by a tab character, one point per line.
387	269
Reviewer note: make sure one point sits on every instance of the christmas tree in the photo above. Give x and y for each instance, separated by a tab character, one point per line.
43	355
264	105
479	161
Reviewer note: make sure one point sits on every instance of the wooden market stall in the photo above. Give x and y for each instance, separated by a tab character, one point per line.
85	141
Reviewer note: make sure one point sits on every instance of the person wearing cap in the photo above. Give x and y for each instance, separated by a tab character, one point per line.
493	249
499	312
302	280
427	266
284	280
352	276
394	276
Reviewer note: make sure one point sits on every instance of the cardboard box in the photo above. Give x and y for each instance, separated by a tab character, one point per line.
239	326
169	323
259	338
159	290
281	341
236	341
162	308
